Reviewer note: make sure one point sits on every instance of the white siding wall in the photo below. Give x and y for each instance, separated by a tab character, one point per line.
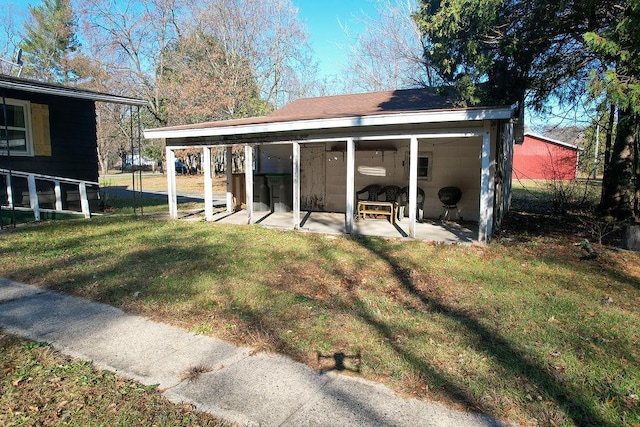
455	162
312	177
336	181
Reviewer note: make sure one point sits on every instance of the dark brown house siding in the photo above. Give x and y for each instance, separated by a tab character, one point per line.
73	143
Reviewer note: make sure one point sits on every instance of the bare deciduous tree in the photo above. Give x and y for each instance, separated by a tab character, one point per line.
388	54
133	36
112	120
9	40
269	35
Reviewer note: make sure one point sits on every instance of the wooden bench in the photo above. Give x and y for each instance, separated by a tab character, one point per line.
377	208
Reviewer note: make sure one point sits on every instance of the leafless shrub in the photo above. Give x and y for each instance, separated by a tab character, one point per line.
600	227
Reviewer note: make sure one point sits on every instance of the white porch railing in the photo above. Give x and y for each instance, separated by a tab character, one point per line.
34	202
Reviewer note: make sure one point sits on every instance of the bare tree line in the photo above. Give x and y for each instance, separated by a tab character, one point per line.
205	60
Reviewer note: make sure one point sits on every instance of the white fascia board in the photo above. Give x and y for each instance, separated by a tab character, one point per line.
73	93
435	134
337	123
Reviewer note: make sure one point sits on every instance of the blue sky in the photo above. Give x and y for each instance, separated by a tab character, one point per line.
325	21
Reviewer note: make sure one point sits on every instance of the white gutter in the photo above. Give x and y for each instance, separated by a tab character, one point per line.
337	123
71	93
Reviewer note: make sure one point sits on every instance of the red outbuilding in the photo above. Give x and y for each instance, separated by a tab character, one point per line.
539	157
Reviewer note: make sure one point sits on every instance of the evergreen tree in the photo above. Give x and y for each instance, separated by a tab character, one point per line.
618	44
505	50
50	41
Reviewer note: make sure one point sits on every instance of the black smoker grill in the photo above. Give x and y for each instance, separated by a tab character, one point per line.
449	197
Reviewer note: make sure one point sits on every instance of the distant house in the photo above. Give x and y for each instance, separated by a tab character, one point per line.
540	157
313	155
48	143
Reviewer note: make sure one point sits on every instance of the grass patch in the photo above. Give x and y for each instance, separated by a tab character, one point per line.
40	387
526	332
119	198
158	182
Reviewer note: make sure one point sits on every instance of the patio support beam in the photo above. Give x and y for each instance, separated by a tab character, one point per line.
229	170
208	184
413	185
248	180
296	185
485	228
171	183
351	162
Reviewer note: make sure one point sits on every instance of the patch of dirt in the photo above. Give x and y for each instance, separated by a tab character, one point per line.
535	218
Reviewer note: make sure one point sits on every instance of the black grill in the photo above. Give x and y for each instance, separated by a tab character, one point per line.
450	196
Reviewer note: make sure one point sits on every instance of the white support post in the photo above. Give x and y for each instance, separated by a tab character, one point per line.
58	193
84	200
229	169
9	191
248	179
33	197
171	183
296	185
208	184
413	185
351	162
485	228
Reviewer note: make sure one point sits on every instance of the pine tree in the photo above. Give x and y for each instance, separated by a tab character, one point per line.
618	46
501	51
50	41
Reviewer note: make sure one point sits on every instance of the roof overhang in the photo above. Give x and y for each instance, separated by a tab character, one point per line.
219	130
14	83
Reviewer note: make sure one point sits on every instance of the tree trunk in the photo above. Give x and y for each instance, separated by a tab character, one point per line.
619	184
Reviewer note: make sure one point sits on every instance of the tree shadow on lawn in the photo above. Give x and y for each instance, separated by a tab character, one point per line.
134	272
487	341
218	259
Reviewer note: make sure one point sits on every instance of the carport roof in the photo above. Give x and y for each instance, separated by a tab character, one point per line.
343	111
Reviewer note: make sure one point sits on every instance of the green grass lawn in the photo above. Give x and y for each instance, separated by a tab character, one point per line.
40	387
158	182
526	331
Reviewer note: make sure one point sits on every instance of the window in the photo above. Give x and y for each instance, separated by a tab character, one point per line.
425	165
16	131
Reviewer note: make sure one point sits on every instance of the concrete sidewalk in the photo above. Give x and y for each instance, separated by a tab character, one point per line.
240	387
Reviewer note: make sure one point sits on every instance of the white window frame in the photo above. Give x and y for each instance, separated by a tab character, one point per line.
26	107
421	154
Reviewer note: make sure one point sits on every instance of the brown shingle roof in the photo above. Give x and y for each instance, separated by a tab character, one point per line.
354	105
362	104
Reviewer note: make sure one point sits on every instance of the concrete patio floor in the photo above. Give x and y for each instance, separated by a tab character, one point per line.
334	223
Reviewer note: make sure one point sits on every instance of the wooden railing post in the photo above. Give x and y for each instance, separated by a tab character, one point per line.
58	192
33	197
9	190
57	181
84	201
